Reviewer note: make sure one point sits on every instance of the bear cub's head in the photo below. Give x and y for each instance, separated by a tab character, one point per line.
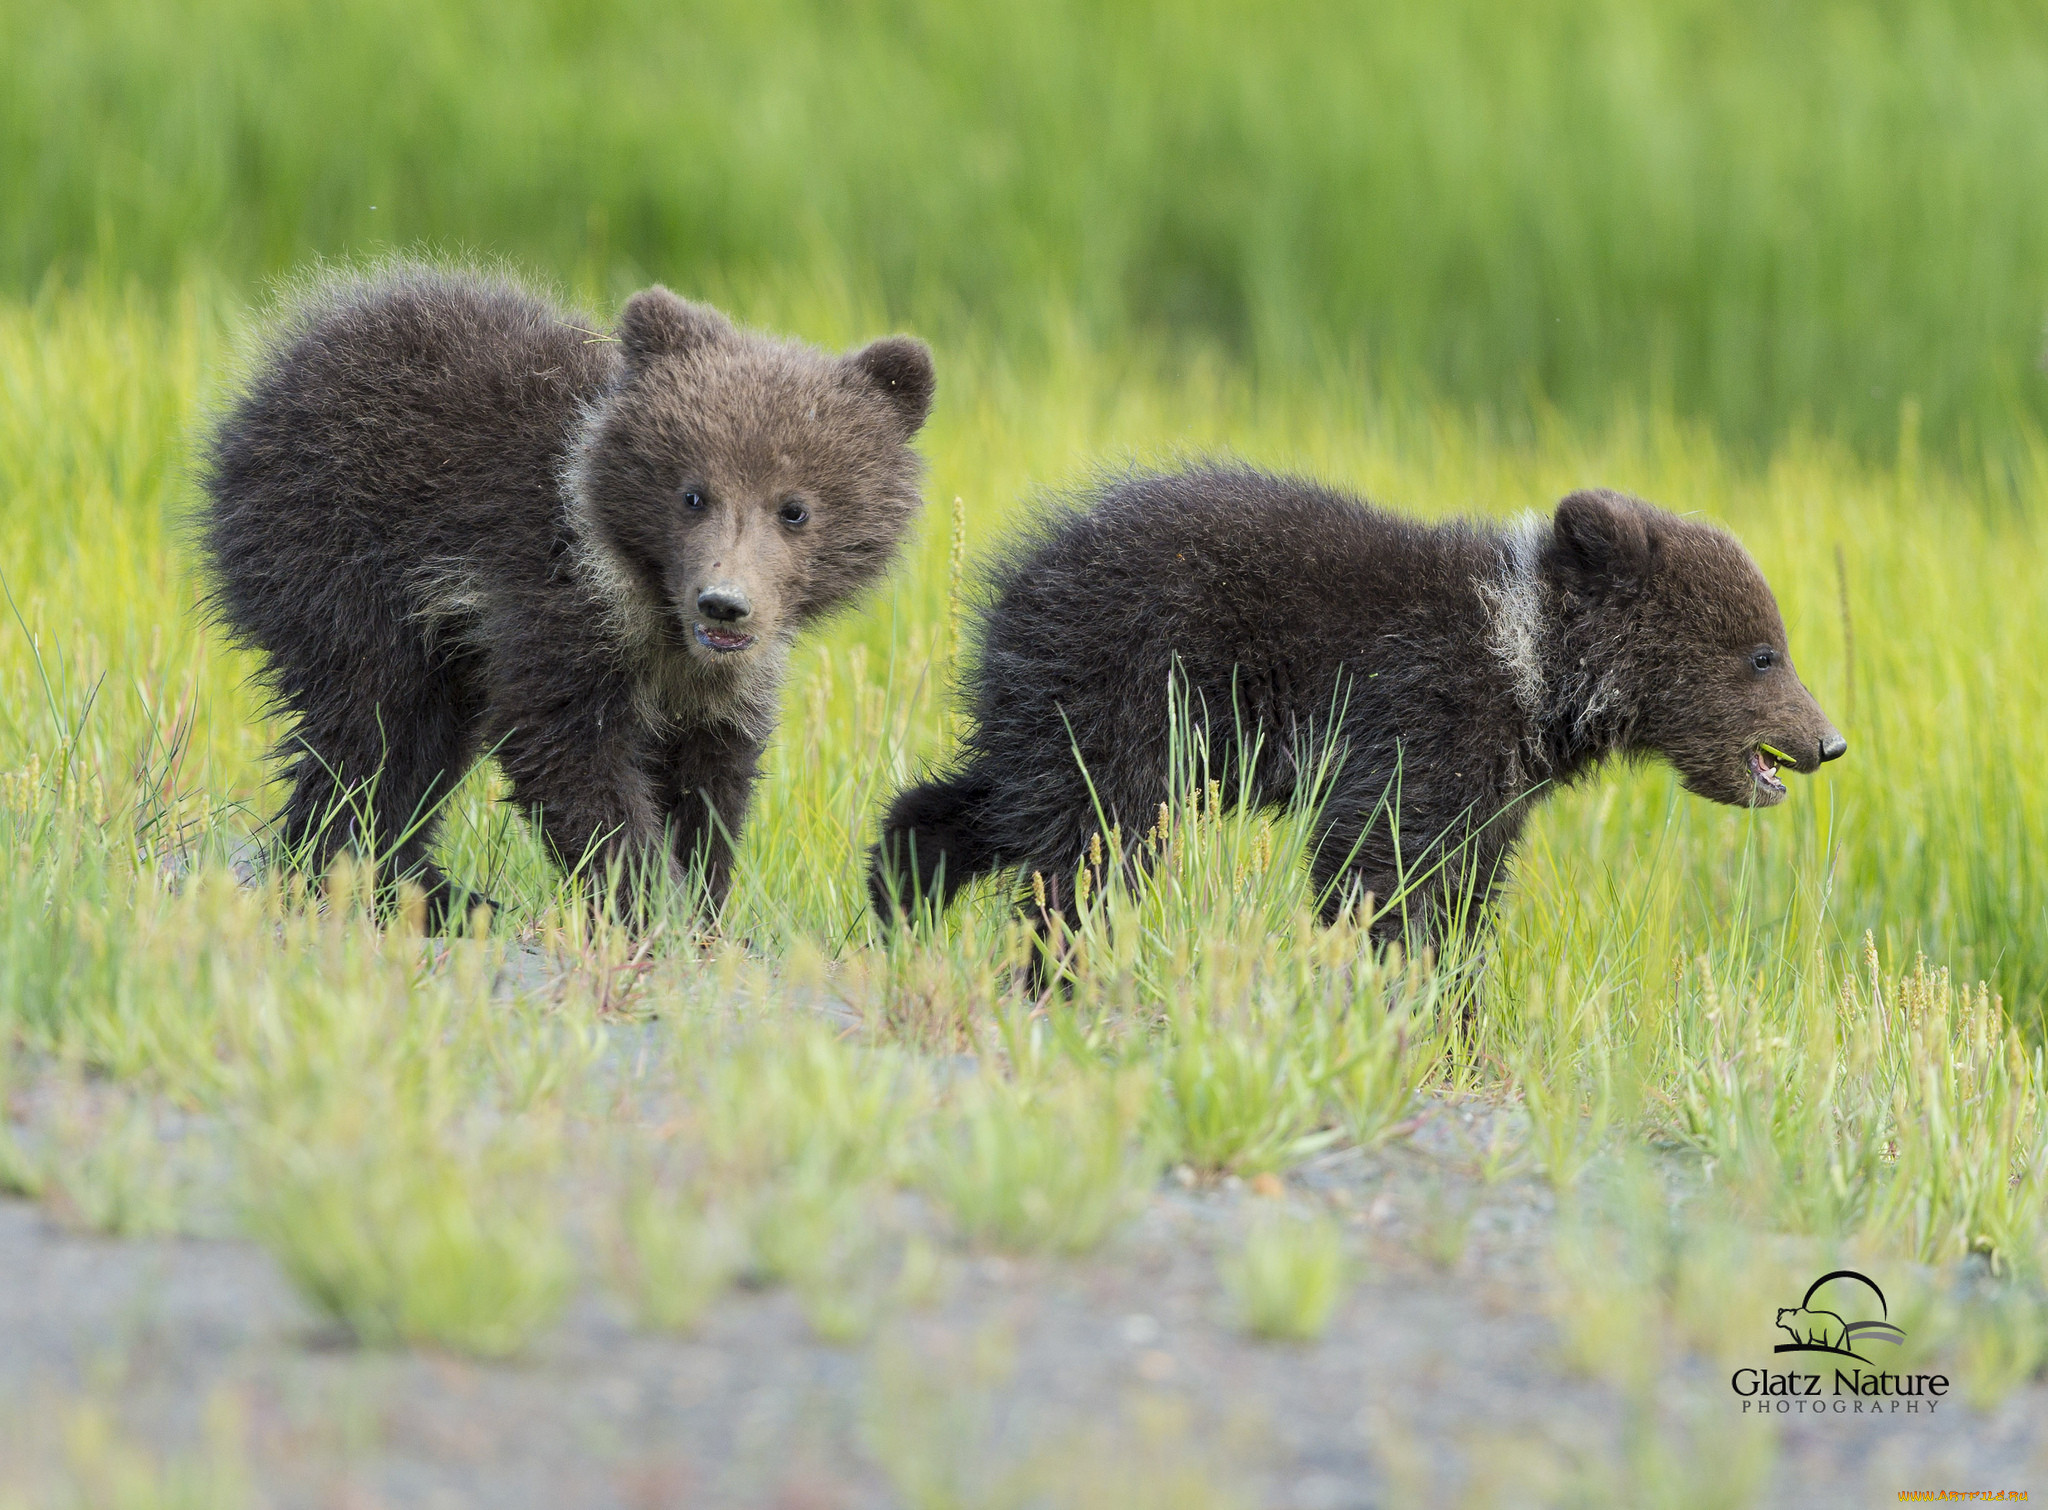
738	487
1681	642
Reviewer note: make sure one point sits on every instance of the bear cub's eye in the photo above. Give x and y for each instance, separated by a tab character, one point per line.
692	499
792	513
1763	660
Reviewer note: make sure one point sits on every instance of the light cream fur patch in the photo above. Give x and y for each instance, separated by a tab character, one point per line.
1514	603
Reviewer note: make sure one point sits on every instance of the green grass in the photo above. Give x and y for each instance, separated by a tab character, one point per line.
1782	266
672	1258
1783	1007
78	1452
1041	1164
402	1240
1288	1277
1664	970
1914	611
1763	215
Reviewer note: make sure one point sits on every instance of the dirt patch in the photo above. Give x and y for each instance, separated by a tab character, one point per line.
1119	1379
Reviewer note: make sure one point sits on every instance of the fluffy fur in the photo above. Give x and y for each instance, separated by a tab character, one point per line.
1456	670
453	517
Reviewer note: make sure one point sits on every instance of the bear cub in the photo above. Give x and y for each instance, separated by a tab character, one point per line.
1425	681
454	518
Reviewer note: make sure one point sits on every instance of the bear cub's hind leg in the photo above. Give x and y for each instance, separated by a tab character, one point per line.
932	844
371	776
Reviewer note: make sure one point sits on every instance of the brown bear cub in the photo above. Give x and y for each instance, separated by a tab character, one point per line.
1438	677
454	518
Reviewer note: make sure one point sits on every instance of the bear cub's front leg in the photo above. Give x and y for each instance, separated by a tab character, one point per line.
707	783
583	771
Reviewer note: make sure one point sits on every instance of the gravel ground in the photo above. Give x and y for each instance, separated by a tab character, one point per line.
1441	1381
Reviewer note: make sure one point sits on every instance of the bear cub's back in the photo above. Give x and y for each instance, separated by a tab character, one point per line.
408	390
1229	563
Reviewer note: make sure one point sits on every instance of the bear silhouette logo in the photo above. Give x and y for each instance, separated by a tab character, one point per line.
1816	1328
1819	1331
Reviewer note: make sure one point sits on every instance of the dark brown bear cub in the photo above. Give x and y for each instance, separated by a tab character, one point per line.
455	518
1450	672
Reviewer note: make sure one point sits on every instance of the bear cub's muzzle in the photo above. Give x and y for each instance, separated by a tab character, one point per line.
1766	760
726	607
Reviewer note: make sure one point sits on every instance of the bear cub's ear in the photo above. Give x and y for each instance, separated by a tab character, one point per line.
1604	534
655	323
901	367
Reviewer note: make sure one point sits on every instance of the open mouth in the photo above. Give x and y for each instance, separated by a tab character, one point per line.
1763	770
724	641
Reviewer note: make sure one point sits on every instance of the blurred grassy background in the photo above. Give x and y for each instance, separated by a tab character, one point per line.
1764	215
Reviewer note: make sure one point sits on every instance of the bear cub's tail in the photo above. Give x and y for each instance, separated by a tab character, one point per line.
930	847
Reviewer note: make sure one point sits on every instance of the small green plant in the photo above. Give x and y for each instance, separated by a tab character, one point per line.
795	1222
1288	1276
546	1052
921	1275
20	1173
1447	1224
110	1172
404	1240
843	1304
794	1095
2003	1347
929	1423
104	1466
1234	1096
1373	1083
1049	1165
821	1238
1505	1151
671	1257
1612	1274
1569	1120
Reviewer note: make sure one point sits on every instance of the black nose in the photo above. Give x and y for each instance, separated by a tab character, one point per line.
1834	747
723	604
